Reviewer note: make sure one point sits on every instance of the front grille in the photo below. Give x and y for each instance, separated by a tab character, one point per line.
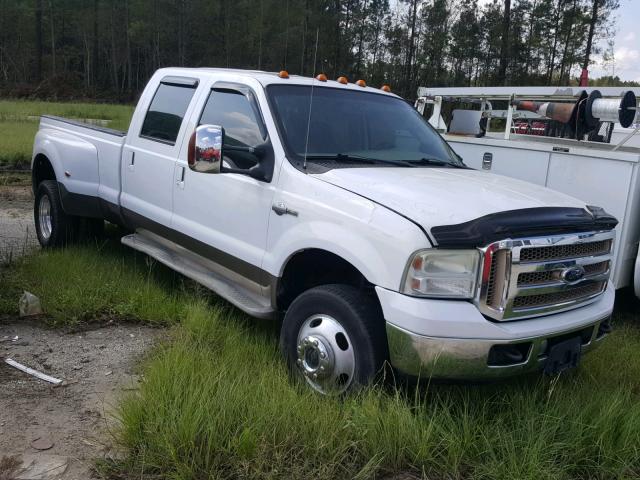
491	284
497	277
564	296
596	268
536	276
551	276
556	252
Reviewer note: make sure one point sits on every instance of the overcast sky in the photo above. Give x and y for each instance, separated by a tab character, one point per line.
627	44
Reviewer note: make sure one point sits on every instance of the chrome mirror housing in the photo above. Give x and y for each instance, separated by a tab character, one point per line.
206	149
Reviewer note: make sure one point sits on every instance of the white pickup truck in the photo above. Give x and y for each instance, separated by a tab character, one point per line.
337	205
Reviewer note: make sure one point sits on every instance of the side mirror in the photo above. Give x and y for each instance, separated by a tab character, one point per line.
205	149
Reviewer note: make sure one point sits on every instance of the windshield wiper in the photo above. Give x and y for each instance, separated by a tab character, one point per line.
349	158
436	162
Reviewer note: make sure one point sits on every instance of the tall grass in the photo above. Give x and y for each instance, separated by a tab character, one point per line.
217	402
96	280
19	123
224	407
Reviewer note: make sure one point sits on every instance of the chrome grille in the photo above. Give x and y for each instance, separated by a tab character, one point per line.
535	276
570	294
556	252
497	278
549	276
491	284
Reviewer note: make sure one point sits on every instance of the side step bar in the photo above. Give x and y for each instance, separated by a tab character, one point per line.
191	265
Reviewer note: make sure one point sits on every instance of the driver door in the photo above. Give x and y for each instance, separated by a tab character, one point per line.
226	213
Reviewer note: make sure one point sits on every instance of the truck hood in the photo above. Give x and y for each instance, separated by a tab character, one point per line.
444	196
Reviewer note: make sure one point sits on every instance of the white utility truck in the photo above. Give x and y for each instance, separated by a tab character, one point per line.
603	173
340	207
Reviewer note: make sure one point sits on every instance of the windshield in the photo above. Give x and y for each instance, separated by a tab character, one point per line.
355	126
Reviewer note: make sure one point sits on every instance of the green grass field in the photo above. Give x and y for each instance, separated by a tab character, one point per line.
217	402
19	123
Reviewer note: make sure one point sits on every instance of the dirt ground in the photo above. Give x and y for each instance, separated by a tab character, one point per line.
17	231
96	366
58	431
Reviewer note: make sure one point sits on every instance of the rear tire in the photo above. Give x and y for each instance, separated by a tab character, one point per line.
54	227
333	336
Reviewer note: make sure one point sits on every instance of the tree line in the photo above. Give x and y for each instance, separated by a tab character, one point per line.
109	48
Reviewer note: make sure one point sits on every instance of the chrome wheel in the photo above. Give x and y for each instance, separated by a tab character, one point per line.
325	354
44	217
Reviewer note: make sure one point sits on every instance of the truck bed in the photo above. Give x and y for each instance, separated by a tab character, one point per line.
97	128
89	159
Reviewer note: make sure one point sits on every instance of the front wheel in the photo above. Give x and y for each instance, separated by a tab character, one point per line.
334	337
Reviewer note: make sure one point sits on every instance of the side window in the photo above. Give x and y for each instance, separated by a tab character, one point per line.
233	111
240	119
166	112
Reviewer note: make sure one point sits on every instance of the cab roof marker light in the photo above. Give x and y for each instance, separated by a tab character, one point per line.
361	83
321	77
385	88
343	80
283	74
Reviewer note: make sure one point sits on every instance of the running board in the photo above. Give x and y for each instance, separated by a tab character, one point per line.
187	264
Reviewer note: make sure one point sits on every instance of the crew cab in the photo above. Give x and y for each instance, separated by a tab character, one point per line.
337	208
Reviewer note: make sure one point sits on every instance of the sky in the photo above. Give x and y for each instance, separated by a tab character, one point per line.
626	47
627	44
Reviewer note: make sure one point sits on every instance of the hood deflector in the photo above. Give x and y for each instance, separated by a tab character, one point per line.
526	222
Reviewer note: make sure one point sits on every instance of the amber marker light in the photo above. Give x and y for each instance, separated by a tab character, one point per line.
283	74
361	83
343	80
385	88
321	77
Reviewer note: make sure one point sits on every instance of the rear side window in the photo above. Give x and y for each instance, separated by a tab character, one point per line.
167	109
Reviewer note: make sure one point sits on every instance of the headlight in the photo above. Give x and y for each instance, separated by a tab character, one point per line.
442	273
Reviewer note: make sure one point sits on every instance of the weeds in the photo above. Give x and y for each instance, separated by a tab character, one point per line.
217	401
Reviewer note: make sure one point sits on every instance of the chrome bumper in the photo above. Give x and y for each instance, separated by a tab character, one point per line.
470	359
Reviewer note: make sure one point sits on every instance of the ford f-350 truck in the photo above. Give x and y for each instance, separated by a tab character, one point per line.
336	206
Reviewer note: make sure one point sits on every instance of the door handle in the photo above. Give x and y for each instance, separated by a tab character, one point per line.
281	209
132	162
180	177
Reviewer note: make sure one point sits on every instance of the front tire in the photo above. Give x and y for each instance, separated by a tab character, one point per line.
54	227
333	336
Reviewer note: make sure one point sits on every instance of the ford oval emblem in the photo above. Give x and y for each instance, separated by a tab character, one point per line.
572	274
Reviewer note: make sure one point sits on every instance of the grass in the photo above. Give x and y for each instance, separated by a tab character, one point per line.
19	124
15	179
217	402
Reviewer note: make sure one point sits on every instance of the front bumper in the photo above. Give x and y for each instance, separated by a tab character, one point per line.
452	340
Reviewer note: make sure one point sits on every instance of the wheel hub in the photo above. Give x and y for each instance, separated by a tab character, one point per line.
325	355
315	357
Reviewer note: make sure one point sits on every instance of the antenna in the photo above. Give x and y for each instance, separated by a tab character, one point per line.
313	81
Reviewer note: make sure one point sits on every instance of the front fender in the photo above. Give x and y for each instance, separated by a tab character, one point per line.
378	245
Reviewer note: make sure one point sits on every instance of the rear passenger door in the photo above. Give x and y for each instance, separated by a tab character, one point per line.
149	157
